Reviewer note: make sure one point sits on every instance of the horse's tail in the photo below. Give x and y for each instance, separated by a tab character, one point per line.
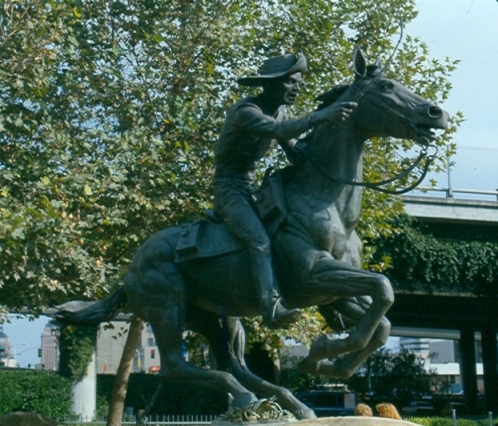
86	313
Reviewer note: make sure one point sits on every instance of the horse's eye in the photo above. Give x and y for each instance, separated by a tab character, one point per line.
386	86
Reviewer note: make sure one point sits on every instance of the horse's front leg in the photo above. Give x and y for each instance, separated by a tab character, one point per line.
228	344
338	279
341	315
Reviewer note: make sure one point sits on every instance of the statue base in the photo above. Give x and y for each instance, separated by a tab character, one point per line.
326	421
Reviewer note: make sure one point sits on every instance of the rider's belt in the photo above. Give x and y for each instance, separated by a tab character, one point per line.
187	242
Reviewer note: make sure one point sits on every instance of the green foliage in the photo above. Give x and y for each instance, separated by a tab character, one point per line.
446	421
76	345
457	258
109	112
296	380
397	375
39	391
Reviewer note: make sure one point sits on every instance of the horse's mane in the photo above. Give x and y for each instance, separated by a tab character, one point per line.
332	95
327	98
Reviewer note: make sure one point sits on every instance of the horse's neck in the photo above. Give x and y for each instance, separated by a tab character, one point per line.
339	154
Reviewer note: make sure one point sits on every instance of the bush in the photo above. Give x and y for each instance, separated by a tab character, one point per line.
445	421
40	391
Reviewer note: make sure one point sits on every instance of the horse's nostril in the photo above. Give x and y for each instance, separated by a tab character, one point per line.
435	112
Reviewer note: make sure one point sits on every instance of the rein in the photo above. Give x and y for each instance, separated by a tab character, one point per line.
377	186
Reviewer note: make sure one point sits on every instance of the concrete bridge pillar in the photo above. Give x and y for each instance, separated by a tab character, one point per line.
468	371
490	367
84	399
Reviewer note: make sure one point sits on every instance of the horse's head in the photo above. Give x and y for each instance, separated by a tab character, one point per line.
386	107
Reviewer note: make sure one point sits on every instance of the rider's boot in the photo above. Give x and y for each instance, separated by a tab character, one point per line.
275	314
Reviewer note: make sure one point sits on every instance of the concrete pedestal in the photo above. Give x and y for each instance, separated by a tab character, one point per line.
84	401
330	421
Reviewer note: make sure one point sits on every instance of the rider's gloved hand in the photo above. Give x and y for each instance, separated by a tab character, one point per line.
334	114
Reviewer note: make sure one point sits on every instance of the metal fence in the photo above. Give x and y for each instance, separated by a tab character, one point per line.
170	420
477	418
191	420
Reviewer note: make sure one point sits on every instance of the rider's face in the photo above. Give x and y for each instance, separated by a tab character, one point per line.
285	89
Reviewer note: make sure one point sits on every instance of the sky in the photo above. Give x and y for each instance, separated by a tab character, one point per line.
25	339
459	29
467	30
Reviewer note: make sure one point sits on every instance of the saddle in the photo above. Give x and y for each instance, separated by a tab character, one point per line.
210	237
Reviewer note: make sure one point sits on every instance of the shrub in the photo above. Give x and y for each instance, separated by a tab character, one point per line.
446	421
44	392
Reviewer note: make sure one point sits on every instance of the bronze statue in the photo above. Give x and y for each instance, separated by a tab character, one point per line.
176	282
252	127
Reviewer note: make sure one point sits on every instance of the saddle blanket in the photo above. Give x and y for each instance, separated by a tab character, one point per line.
205	238
208	238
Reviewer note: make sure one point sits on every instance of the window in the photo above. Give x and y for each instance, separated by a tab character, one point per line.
152	353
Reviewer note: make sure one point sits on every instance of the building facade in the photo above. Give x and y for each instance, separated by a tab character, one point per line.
6	359
443	357
110	344
50	347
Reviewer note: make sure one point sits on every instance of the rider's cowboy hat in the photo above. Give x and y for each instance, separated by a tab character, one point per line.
278	66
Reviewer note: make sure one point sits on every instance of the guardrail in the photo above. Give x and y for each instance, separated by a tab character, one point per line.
451	191
128	419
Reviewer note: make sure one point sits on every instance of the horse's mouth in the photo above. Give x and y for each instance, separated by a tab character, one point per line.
426	133
426	128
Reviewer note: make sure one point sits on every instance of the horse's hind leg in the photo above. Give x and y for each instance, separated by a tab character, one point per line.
228	344
351	312
157	295
340	280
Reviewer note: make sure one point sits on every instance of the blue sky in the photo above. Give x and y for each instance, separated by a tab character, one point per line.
467	30
458	29
25	337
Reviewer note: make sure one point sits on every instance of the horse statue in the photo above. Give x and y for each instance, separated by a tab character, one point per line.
316	255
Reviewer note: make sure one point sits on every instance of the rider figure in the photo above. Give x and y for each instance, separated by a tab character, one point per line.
252	127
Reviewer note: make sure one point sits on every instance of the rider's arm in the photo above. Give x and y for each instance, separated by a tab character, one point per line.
253	120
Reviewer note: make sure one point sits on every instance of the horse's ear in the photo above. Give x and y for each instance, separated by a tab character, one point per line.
378	64
359	64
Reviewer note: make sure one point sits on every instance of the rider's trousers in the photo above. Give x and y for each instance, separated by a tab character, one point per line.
233	202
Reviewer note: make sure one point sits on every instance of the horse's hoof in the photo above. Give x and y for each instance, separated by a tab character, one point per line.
242	400
318	348
280	317
305	414
335	369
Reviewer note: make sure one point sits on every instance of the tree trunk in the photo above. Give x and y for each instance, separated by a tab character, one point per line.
116	406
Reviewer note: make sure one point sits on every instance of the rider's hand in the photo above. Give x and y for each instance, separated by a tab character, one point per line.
334	114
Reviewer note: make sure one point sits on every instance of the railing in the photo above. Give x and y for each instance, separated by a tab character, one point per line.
180	420
451	191
128	419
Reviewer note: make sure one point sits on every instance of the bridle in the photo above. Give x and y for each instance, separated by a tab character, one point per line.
378	186
423	155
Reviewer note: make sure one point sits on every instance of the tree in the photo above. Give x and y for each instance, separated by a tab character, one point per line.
396	376
109	111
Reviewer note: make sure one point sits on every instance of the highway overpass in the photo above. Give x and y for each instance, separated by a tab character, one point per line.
461	315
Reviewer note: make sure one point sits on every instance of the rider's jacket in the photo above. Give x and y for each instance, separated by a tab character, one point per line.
249	132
